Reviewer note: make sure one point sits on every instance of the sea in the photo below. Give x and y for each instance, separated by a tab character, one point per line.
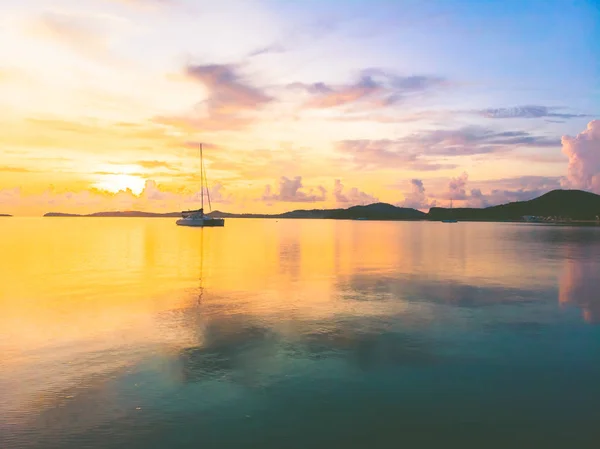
137	333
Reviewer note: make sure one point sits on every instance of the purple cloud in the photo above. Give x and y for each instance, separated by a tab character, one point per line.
417	198
227	91
385	153
498	191
411	151
230	101
352	196
374	88
529	111
290	191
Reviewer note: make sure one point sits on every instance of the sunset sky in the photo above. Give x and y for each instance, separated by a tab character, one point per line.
300	104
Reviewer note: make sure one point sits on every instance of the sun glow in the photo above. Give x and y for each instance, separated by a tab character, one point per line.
120	182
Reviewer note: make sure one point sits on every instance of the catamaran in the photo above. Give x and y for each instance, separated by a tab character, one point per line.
197	217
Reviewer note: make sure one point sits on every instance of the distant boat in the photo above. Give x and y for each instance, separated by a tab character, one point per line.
450	220
197	218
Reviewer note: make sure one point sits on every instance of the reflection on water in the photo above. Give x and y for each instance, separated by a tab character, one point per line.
138	333
580	281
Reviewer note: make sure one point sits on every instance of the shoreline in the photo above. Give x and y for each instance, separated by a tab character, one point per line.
475	220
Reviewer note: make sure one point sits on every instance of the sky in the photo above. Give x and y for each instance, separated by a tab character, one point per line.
299	104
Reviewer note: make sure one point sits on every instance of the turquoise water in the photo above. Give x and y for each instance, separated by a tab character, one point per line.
295	334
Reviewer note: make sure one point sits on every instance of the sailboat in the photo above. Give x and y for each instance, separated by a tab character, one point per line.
197	217
450	220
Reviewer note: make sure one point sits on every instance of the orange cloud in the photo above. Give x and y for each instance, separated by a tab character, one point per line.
8	169
151	198
87	136
85	34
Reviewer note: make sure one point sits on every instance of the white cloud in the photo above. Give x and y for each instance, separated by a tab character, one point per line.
583	152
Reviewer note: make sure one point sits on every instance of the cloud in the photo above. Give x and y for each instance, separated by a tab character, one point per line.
471	140
218	194
497	191
269	49
247	164
152	199
154	164
352	196
499	196
457	187
417	198
290	191
9	169
395	118
227	92
533	183
374	87
231	102
413	150
147	3
583	152
530	111
421	165
383	152
87	35
12	75
540	158
386	153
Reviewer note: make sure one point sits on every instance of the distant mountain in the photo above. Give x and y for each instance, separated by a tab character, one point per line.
574	204
131	213
376	211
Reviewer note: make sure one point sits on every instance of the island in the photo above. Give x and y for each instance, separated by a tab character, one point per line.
376	211
5	215
555	206
130	214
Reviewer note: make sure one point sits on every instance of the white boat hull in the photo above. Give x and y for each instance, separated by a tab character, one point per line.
201	222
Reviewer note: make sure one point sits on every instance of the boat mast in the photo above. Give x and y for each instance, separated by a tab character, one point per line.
207	189
201	180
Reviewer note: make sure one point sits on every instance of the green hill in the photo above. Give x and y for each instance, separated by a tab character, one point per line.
573	204
376	211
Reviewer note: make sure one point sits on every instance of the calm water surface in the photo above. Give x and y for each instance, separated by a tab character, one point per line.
136	333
